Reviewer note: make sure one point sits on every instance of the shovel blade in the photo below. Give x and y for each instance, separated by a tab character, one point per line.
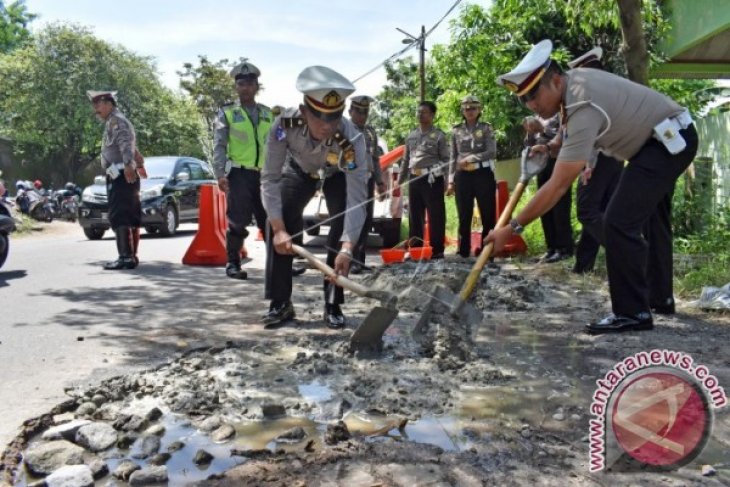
368	336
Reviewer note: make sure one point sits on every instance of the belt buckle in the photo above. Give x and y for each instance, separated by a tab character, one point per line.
417	172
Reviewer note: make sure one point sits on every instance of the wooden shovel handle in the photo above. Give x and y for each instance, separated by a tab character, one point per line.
341	281
504	218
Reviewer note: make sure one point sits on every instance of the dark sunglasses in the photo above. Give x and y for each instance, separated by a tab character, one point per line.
361	111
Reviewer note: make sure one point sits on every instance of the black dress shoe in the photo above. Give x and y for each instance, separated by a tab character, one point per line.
279	313
122	263
547	255
557	256
438	256
234	271
620	323
333	316
298	271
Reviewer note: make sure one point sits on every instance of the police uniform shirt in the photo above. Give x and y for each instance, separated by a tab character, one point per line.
312	156
424	150
472	145
631	109
371	147
221	133
118	142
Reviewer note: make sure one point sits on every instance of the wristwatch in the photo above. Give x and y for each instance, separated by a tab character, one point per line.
346	252
517	229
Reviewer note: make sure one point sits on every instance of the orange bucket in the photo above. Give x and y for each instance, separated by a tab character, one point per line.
392	256
420	253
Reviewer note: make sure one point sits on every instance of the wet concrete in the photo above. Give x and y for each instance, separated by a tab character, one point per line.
502	401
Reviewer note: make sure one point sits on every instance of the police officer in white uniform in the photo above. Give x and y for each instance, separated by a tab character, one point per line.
601	111
309	146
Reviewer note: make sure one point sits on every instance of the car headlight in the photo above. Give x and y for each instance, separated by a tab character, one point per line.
153	192
88	196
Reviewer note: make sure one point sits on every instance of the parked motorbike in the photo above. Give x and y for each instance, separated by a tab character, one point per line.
66	202
35	205
7	225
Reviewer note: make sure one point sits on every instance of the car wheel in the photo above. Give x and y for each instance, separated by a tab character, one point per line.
4	248
169	226
390	233
94	233
151	230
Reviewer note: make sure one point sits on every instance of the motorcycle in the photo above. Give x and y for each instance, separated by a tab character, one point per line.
66	204
7	225
35	205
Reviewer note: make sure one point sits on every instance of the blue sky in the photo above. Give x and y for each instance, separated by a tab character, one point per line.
281	38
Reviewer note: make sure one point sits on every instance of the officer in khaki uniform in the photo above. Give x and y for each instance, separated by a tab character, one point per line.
471	171
425	165
359	111
308	147
601	111
239	150
121	160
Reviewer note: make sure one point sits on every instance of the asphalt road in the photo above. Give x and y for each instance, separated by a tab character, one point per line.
65	322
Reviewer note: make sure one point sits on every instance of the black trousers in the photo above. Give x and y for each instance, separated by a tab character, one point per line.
556	222
359	251
471	185
591	202
125	208
297	188
244	201
424	196
640	267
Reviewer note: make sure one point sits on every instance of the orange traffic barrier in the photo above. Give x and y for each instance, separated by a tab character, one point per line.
209	245
516	244
222	219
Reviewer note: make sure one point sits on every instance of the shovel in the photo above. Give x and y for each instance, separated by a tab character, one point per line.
369	335
530	166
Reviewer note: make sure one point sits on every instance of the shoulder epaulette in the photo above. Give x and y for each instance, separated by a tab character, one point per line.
227	104
292	122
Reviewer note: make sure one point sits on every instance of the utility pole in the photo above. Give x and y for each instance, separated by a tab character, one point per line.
422	56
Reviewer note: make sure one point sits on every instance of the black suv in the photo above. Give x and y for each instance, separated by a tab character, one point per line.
170	195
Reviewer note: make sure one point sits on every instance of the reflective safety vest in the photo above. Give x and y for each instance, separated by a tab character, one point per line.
246	142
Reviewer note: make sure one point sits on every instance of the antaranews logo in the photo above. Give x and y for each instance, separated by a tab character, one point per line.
652	410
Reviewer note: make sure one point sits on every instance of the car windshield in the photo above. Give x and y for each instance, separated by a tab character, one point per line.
159	167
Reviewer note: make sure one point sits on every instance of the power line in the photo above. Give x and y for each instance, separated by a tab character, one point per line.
409	46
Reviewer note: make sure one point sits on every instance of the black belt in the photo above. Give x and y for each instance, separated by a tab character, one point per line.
257	169
311	175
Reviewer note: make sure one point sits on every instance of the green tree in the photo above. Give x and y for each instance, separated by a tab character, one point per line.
488	42
210	87
395	114
14	20
46	113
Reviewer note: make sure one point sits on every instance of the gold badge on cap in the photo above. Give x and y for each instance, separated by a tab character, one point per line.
332	99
